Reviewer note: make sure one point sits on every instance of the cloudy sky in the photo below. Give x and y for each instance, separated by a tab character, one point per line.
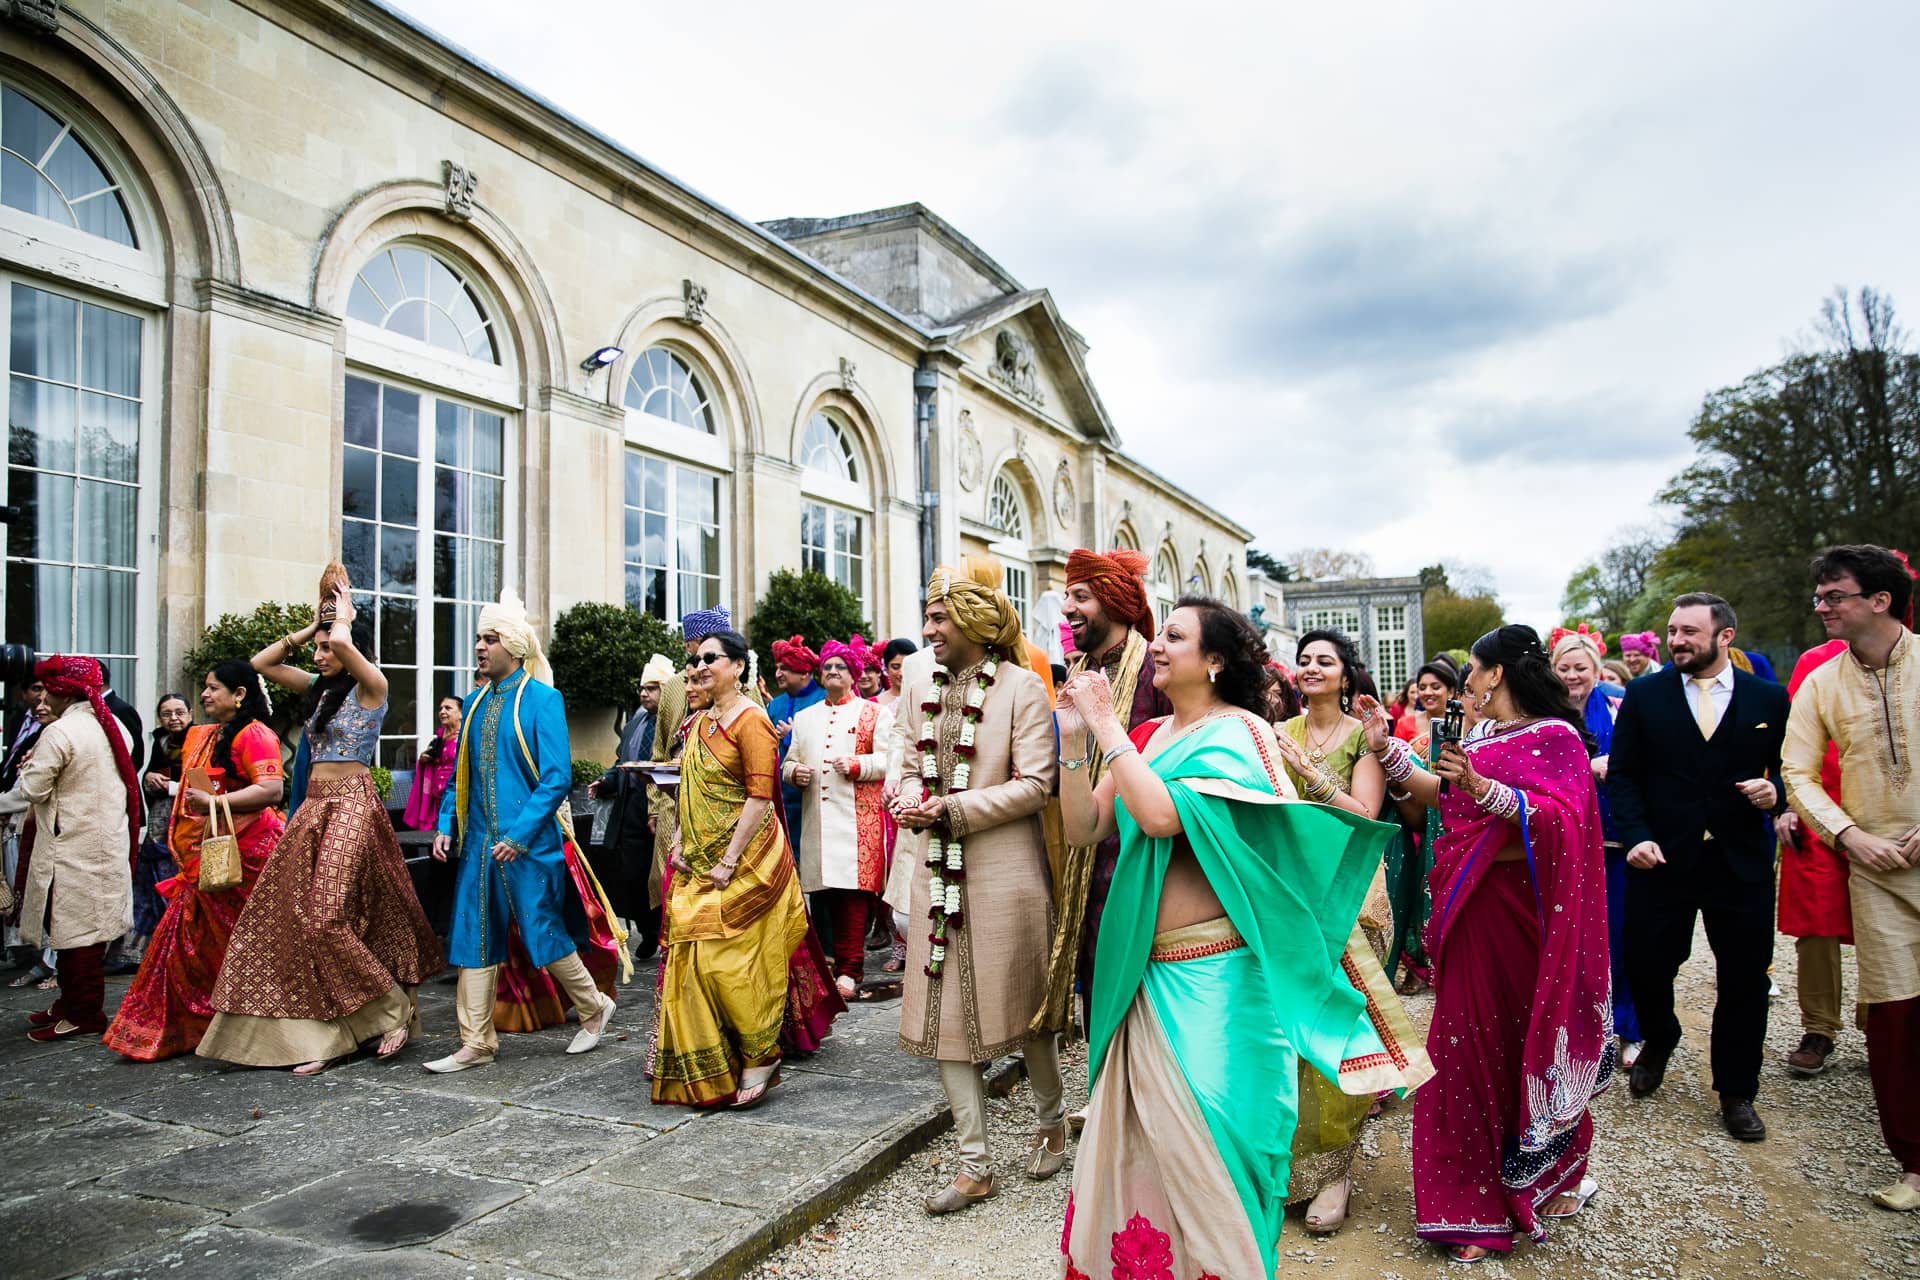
1429	282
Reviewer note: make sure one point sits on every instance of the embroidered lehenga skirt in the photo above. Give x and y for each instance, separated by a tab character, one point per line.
332	942
1188	1130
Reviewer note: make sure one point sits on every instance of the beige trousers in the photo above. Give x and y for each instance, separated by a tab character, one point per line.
1818	962
967	1094
474	996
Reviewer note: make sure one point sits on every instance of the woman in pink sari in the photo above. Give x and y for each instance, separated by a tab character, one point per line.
434	769
1522	1029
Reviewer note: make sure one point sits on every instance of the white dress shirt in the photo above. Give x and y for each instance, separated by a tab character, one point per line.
1720	692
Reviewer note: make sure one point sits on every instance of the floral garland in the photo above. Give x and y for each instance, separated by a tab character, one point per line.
944	859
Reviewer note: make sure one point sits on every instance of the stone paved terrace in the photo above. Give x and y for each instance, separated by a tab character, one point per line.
541	1165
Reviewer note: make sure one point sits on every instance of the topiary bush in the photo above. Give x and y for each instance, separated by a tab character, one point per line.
382	782
599	651
807	604
240	636
586	771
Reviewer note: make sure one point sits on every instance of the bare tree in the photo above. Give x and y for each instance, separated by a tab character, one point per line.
1318	564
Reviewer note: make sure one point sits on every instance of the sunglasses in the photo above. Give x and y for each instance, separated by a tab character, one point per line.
706	659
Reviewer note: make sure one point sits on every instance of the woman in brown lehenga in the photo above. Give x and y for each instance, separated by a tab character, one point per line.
333	942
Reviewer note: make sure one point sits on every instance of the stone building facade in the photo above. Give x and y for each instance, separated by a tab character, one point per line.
287	281
1380	615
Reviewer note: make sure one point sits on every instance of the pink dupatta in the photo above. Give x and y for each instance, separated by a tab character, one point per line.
1569	1051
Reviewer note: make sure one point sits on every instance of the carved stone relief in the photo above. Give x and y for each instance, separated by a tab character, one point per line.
848	372
1063	504
1014	367
970	457
42	16
695	297
461	182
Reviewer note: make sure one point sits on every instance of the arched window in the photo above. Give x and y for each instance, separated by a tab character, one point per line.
676	487
427	477
1124	537
665	386
409	291
1230	586
83	396
834	503
49	173
1007	513
1166	583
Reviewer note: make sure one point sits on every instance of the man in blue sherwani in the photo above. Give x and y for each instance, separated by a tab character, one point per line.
499	816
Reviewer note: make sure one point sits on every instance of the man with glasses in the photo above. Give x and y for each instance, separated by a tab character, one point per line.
1694	772
1867	703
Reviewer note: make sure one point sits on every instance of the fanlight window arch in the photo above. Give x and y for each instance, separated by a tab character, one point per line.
48	172
827	448
415	293
1005	510
1166	583
664	385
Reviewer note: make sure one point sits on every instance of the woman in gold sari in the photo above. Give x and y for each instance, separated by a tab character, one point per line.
734	913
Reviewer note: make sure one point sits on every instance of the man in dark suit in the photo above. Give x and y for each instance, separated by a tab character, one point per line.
622	849
1693	775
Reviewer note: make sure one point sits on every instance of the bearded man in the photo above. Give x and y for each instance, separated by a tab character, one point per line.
976	776
1111	618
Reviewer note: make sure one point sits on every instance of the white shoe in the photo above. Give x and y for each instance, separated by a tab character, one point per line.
1773	989
585	1041
449	1064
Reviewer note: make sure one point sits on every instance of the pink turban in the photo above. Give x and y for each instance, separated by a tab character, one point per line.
854	653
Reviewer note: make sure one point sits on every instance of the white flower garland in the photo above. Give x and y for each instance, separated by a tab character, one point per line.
945	860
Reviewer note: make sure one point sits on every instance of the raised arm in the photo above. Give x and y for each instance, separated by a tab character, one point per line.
275	661
367	678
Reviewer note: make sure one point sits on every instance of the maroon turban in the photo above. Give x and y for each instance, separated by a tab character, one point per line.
71	676
1118	581
795	656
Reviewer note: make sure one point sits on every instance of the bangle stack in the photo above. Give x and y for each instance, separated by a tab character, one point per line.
1397	760
1108	757
1499	799
1323	786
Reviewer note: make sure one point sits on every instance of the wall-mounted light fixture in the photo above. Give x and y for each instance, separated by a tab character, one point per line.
601	359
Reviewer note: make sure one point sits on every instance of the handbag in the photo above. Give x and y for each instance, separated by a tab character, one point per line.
219	854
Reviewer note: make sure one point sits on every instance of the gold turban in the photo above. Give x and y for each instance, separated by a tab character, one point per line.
980	609
508	620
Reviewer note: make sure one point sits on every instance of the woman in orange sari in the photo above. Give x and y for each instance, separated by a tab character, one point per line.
169	1003
734	911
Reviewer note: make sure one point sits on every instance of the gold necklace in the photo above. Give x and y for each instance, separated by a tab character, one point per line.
1317	753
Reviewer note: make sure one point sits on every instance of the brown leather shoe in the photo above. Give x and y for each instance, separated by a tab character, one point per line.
951	1199
1810	1059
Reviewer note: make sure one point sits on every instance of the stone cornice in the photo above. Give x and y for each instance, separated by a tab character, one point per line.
243	303
572	404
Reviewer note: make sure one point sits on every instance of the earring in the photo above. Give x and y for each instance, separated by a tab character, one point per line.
1480	703
1213	677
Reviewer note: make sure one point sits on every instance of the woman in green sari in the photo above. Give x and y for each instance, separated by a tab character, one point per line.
1217	967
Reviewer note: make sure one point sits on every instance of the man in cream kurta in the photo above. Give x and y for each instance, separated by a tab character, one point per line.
1867	701
836	759
975	1002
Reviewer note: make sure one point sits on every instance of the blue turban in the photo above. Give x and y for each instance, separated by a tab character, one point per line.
702	623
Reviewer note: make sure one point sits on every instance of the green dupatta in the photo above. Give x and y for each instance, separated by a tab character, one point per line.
1291	876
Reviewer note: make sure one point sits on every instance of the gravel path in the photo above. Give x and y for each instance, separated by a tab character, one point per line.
1679	1197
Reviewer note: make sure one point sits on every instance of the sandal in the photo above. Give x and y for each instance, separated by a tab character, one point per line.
1328	1224
1586	1191
1459	1253
387	1045
314	1068
31	977
759	1092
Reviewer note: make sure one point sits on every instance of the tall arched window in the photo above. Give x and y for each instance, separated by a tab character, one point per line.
675	486
426	480
1007	514
82	390
1230	586
835	504
1166	583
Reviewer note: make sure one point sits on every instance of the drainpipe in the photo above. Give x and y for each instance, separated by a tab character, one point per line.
925	384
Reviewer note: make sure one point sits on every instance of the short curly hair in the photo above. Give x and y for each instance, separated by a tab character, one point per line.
1226	634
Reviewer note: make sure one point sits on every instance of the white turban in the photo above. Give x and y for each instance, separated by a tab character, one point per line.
508	620
659	670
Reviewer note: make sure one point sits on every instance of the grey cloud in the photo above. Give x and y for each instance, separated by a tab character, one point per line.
1610	427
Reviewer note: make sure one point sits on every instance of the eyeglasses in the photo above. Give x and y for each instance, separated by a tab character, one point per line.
706	659
1832	599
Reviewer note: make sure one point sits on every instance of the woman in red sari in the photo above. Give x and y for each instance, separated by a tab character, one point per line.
168	1005
1522	1030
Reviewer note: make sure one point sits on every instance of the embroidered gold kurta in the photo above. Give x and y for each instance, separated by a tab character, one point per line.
1873	717
995	975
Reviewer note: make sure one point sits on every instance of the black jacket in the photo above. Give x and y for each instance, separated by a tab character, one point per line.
123	712
1670	787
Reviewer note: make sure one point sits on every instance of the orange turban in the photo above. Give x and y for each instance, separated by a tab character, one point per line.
1118	581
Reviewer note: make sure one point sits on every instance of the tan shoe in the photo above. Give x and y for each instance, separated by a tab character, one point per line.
951	1199
1899	1197
452	1063
1043	1159
585	1041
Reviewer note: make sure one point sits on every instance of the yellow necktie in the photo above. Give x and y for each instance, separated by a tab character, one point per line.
1703	706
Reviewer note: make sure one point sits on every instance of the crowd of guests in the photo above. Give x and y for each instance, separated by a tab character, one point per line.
1222	870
